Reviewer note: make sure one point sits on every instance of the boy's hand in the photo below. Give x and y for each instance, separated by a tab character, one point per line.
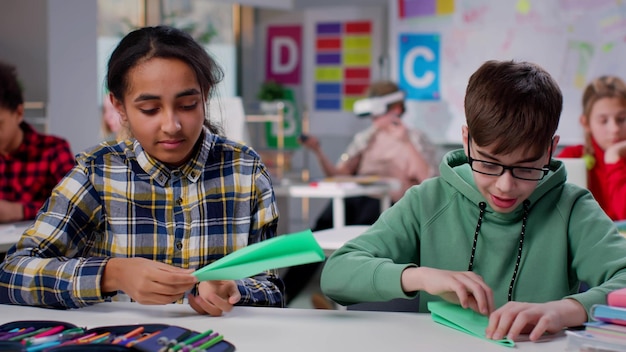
10	211
215	297
460	287
515	318
147	281
393	125
310	142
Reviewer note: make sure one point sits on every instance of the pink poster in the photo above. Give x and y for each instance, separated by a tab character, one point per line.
283	58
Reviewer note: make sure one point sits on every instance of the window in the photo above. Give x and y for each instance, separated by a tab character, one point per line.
210	23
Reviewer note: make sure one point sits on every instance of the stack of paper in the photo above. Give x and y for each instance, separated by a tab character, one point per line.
464	320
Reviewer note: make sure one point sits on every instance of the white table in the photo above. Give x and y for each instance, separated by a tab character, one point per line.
337	191
332	239
11	233
273	329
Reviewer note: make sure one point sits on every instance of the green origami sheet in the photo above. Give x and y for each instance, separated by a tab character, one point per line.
278	252
465	320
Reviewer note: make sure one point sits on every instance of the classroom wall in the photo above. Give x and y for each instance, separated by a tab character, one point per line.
24	43
575	41
53	45
73	110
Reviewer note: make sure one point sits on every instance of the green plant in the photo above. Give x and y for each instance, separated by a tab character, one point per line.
271	90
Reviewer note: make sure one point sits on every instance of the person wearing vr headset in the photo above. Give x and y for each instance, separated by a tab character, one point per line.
388	148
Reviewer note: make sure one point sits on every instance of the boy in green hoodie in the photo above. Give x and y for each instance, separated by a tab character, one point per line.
499	231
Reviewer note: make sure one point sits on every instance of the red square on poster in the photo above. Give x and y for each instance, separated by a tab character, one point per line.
283	58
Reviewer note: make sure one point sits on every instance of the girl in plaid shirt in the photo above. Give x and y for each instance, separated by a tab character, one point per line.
140	215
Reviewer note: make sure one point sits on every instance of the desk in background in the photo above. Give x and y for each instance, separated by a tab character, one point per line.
11	233
332	239
337	191
253	329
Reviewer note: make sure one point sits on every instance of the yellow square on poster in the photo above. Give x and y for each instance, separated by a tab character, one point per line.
358	42
357	58
328	74
348	103
445	7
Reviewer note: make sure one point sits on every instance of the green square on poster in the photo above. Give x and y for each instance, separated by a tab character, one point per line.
292	124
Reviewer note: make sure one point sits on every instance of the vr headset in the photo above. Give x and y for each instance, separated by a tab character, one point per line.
375	106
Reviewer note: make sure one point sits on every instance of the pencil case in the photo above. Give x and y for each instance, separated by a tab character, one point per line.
151	338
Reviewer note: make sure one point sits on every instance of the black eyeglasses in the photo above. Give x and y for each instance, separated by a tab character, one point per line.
494	169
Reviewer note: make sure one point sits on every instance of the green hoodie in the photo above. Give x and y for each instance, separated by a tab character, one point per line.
568	239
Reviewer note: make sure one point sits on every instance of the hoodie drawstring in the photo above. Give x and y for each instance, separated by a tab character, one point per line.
483	206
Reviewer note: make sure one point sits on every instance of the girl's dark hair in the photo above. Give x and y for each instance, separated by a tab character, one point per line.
513	105
10	91
146	43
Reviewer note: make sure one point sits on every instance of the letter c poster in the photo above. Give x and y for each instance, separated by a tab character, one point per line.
419	66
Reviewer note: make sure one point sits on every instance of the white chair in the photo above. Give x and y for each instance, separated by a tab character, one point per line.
576	171
229	113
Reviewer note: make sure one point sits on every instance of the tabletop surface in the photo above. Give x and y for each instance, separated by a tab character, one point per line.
288	329
332	189
11	233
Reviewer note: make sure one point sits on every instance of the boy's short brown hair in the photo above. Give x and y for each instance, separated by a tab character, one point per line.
510	104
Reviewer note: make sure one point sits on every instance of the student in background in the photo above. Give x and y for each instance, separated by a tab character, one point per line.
389	149
500	231
139	216
604	124
112	129
31	163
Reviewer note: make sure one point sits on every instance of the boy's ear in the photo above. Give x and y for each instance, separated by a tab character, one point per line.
555	142
119	107
20	113
465	134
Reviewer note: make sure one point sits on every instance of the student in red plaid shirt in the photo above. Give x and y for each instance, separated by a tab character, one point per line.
31	164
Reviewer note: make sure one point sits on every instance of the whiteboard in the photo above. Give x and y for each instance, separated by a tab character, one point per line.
574	40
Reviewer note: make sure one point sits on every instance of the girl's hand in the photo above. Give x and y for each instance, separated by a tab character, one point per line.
147	281
615	152
461	287
215	297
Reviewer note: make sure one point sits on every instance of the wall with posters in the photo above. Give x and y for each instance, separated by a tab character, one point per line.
435	45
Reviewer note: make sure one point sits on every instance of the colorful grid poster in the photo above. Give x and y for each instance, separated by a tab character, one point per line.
424	8
343	60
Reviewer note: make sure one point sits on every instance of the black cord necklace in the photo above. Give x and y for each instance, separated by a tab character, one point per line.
483	206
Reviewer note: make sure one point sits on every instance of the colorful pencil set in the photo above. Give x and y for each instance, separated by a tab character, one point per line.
58	336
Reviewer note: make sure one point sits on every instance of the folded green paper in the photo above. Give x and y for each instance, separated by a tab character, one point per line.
465	320
278	252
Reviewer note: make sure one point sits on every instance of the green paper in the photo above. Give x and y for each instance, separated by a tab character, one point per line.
278	252
465	320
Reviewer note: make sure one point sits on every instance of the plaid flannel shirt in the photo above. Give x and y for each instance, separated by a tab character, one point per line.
119	202
30	173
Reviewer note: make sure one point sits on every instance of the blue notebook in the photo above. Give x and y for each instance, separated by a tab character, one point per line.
609	314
